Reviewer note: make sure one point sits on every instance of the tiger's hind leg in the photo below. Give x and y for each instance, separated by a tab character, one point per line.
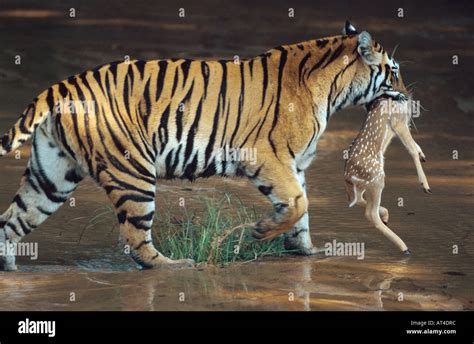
135	208
49	180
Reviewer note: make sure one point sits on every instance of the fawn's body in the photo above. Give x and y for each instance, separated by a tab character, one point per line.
364	171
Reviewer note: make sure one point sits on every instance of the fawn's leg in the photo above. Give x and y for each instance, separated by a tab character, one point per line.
374	194
357	195
299	236
416	153
49	180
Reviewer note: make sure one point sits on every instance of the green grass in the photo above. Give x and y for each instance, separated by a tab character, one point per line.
200	233
196	234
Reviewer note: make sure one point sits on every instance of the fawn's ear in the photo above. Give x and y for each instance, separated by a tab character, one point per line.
349	29
366	50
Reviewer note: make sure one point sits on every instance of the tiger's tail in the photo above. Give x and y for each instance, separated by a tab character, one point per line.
33	116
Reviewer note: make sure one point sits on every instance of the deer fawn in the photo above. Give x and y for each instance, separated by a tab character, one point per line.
364	171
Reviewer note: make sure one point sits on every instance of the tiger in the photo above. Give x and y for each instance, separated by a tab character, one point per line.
171	118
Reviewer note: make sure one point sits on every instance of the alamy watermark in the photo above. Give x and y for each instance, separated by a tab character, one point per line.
230	154
410	107
75	106
28	326
345	249
20	249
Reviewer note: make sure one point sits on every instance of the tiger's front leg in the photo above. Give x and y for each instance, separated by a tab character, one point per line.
299	237
281	186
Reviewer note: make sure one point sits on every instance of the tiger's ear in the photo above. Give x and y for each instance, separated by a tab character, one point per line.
366	49
349	29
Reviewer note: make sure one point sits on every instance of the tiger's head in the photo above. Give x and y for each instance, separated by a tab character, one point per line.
376	72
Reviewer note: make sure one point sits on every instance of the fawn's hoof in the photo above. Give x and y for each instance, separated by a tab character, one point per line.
407	252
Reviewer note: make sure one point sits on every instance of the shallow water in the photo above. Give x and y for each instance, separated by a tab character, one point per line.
86	260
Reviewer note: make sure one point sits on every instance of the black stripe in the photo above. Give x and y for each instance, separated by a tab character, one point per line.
63	91
223	90
240	106
23	226
312	138
179	113
364	94
320	62
19	202
265	80
48	187
141	68
160	81
205	76
136	221
257	173
333	87
224	131
290	150
185	69
249	134
321	43
118	144
144	242
212	138
50	99
13	228
163	129
276	116
122	185
30	180
175	82
192	133
44	211
190	170
263	122
302	64
117	162
335	55
209	171
133	198
146	95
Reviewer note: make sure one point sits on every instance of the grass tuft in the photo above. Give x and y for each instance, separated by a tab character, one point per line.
217	235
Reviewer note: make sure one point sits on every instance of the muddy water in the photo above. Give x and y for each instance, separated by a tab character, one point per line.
75	256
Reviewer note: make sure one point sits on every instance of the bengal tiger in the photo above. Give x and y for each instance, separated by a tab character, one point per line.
171	119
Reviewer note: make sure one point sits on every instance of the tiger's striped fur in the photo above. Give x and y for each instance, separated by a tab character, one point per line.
171	118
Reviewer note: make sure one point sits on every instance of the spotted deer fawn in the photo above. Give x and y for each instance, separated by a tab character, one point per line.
364	171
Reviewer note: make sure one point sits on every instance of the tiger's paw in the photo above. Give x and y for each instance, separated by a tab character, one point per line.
291	245
264	232
7	263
